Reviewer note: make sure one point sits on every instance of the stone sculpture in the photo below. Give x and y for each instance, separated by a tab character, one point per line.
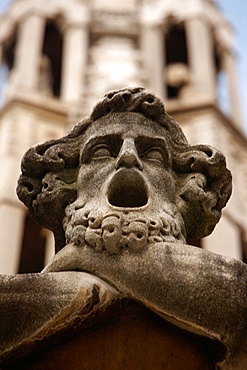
121	193
127	160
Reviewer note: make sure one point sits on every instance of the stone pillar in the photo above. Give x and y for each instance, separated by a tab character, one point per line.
200	54
12	217
1	54
75	53
230	70
225	240
49	248
14	140
28	52
153	47
12	213
1	76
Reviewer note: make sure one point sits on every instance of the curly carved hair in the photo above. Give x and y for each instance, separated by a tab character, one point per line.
49	170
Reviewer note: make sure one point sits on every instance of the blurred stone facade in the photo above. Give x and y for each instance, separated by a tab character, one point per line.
62	55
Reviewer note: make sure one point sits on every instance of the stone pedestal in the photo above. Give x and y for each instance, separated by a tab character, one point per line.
86	324
130	338
77	321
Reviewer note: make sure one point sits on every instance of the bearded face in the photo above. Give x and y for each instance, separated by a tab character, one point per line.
126	189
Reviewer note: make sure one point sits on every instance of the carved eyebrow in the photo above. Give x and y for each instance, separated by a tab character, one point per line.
114	142
143	143
144	139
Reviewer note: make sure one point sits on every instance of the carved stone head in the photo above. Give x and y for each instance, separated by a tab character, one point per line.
123	178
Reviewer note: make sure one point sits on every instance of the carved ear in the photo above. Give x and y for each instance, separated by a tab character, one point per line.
204	187
48	181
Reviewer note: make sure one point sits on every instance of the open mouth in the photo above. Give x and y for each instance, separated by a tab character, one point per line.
127	189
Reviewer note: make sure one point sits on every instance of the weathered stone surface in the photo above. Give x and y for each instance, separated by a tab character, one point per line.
122	192
127	154
196	290
132	338
36	308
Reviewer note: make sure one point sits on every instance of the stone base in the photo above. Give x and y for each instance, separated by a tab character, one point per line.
74	320
135	338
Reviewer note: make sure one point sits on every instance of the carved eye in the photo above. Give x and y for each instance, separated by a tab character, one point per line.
154	154
101	151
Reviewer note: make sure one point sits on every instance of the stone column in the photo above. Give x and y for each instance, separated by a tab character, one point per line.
12	213
14	140
28	52
12	217
153	47
225	240
49	247
1	54
200	54
230	70
75	53
1	76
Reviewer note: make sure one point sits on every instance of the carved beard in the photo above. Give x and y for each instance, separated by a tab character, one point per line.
115	231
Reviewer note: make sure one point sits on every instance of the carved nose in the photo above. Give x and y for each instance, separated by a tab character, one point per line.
128	156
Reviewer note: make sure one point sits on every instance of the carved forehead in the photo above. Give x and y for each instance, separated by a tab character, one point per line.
125	124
